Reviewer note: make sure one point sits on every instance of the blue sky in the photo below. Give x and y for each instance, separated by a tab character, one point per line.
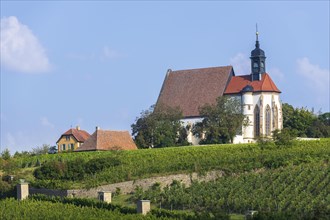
98	63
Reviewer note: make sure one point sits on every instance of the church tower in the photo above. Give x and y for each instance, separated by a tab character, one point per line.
258	64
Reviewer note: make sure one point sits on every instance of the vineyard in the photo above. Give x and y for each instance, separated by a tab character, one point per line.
303	190
34	209
287	182
90	169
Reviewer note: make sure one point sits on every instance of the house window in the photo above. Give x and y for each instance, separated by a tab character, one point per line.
249	107
268	120
256	121
67	138
63	146
72	146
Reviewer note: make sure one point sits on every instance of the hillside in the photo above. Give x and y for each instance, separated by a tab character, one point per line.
286	182
90	169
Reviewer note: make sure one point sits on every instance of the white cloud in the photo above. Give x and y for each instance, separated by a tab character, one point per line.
81	57
109	54
45	122
241	64
20	49
106	53
318	78
276	73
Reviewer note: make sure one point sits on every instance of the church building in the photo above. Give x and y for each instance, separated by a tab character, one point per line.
259	96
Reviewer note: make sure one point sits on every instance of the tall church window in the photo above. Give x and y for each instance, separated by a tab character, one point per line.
275	120
268	120
256	121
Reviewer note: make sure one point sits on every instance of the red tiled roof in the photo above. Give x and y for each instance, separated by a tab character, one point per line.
79	135
190	89
237	83
108	140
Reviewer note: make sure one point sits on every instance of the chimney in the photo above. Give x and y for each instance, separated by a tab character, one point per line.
97	128
78	127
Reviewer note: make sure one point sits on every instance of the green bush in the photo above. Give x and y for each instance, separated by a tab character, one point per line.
73	170
283	137
98	164
6	189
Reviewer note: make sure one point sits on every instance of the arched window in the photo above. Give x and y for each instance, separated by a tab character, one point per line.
275	120
256	121
268	120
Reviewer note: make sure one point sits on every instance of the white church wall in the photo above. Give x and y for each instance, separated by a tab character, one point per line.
249	101
248	108
272	100
191	121
238	139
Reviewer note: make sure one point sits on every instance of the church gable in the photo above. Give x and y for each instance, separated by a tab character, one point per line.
238	83
190	89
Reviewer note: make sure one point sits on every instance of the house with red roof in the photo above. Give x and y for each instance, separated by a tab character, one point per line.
103	140
72	139
259	96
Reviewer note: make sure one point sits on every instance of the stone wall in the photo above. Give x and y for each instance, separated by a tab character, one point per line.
49	192
129	186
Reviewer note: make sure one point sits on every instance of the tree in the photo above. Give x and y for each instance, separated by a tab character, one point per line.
52	150
304	123
159	127
5	154
221	122
320	126
297	119
41	150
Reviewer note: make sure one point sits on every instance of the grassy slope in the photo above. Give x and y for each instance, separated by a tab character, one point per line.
158	162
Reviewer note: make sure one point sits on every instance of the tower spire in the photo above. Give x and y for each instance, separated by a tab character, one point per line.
257	35
258	65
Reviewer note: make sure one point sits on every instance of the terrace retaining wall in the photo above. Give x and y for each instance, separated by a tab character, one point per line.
129	186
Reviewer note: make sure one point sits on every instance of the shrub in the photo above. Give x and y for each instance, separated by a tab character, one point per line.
98	164
283	137
264	143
